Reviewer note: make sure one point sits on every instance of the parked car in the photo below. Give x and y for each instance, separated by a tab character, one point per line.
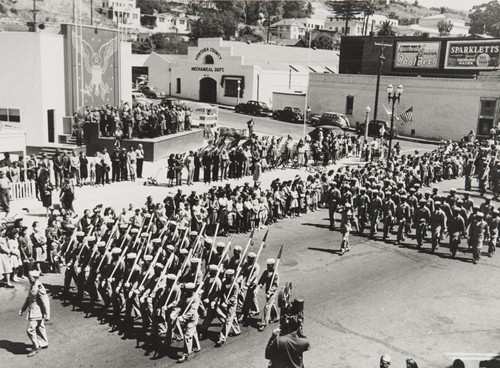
253	107
138	99
151	92
331	118
290	114
314	134
374	128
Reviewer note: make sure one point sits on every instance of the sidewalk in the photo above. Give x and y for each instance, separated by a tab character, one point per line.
119	195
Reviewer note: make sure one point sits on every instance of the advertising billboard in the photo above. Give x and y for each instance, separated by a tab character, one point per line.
474	54
417	55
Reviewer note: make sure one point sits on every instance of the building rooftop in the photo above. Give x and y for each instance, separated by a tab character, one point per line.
281	57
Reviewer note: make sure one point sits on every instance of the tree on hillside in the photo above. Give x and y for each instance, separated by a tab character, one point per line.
214	25
347	11
295	9
322	42
248	34
444	27
149	6
386	29
484	18
368	10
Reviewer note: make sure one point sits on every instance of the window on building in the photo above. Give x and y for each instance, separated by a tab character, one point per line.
182	21
208	59
10	115
349	105
178	87
161	20
336	29
486	116
135	16
231	88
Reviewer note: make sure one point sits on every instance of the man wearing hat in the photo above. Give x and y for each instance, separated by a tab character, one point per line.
478	233
248	294
403	218
193	272
362	204
108	284
165	310
269	280
227	305
375	211
346	228
38	306
423	216
91	283
217	256
235	259
456	229
388	212
148	291
131	277
494	224
188	319
438	225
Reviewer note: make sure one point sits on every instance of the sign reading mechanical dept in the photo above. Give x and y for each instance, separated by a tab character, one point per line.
417	55
207	56
474	54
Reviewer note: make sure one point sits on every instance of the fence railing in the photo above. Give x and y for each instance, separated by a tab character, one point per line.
22	190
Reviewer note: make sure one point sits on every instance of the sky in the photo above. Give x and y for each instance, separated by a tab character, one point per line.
454	4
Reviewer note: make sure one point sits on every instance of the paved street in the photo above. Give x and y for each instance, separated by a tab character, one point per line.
378	298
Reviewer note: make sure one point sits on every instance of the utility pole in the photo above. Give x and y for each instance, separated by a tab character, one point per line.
91	12
34	11
380	64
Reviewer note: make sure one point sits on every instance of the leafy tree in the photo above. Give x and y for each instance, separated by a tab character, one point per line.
386	29
322	42
294	9
347	10
149	6
368	10
252	11
214	25
139	47
444	27
248	33
484	18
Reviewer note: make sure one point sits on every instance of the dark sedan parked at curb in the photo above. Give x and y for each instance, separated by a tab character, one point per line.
151	92
331	118
290	114
253	107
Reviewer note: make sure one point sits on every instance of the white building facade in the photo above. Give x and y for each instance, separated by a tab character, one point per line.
123	13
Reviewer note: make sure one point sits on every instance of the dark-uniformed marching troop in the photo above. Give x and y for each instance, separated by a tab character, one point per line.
392	198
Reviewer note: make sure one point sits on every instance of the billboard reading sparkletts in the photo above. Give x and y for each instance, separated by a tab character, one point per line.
474	54
417	55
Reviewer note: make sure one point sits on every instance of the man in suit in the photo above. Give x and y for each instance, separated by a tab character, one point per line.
38	307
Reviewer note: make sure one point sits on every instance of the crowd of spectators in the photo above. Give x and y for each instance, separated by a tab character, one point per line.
140	121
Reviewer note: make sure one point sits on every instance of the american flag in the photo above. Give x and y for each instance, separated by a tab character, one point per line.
407	116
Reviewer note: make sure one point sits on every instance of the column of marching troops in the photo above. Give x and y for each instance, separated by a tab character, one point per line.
167	277
393	198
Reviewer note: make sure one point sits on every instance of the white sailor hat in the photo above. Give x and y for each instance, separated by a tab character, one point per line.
271	261
144	235
183	251
101	244
134	231
90	239
195	260
170	247
189	286
193	233
209	240
220	245
212	267
238	248
171	276
80	234
252	255
159	265
34	273
116	251
148	258
229	271
156	240
132	256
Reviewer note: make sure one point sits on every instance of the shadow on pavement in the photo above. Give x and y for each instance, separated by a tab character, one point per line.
326	250
321	226
16	348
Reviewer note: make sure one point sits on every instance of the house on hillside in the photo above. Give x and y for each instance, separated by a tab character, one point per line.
360	26
124	13
288	28
459	27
